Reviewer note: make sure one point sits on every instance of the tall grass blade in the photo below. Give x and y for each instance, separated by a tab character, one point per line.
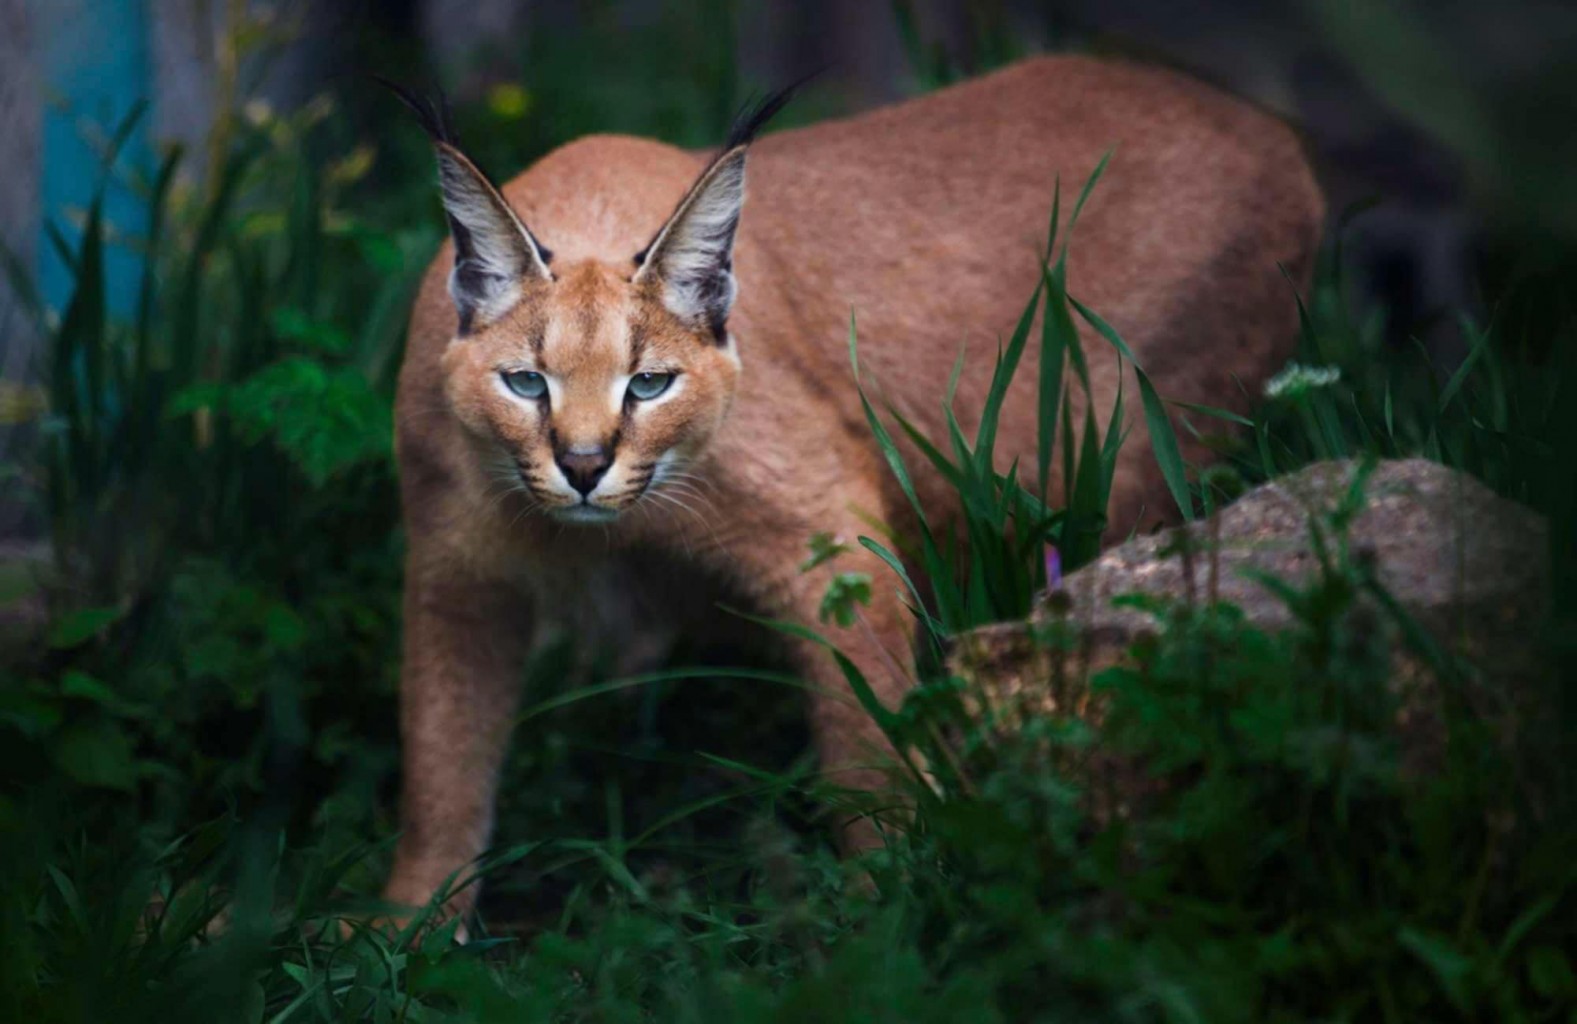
22	287
1001	377
1475	353
1057	306
883	438
1212	411
1084	195
1163	439
1081	534
955	477
935	628
1116	434
936	564
1053	358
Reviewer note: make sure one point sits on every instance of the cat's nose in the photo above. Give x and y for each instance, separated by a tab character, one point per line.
583	467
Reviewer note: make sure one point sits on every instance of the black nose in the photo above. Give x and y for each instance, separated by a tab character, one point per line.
585	467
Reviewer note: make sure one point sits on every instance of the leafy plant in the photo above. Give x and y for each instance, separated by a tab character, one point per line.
218	478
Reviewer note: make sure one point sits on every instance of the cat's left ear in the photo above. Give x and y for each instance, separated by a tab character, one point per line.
692	257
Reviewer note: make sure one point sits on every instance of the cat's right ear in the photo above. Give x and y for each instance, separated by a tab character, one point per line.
494	251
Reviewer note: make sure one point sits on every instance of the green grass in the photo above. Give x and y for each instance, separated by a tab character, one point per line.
1499	414
197	762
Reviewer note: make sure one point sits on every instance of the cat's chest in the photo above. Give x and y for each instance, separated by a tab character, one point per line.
629	609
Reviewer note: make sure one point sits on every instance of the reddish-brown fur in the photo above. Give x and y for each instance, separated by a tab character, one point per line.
926	221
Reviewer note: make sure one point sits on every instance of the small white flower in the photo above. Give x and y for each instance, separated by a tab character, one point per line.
1298	380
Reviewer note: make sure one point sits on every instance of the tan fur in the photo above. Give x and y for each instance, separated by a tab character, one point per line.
924	219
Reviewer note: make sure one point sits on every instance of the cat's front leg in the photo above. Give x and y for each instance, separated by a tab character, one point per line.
853	751
465	643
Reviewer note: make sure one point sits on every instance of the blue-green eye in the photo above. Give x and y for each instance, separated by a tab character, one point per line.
526	383
645	386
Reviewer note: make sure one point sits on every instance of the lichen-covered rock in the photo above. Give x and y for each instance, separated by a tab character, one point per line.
1452	552
1469	567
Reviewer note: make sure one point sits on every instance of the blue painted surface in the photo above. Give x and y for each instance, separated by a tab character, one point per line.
94	69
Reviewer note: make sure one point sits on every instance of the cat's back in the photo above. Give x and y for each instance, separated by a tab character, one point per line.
926	220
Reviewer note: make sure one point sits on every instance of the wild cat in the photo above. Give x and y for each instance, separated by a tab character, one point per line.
613	365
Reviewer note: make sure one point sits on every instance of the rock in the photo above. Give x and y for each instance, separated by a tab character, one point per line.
1468	566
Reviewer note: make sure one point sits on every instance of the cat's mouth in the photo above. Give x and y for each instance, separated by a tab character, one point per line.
584	512
551	502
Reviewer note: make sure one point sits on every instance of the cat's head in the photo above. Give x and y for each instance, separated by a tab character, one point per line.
591	384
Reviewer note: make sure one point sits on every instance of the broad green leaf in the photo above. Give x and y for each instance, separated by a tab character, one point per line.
845	591
78	627
97	754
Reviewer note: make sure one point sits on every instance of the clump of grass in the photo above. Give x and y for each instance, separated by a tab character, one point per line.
235	365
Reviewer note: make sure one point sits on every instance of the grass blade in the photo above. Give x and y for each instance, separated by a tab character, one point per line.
893	562
1001	377
1163	439
1212	411
1084	195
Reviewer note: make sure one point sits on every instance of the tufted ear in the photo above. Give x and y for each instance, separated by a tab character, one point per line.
692	256
494	251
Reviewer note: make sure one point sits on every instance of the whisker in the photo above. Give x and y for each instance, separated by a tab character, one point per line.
686	507
698	482
692	494
684	535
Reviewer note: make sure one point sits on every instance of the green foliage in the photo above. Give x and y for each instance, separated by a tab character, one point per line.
1274	859
217	473
845	591
1237	835
154	430
323	420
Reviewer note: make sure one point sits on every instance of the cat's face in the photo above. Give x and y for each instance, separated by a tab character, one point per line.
590	385
590	394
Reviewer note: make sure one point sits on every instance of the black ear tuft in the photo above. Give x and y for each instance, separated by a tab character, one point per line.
432	112
493	249
755	114
748	123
